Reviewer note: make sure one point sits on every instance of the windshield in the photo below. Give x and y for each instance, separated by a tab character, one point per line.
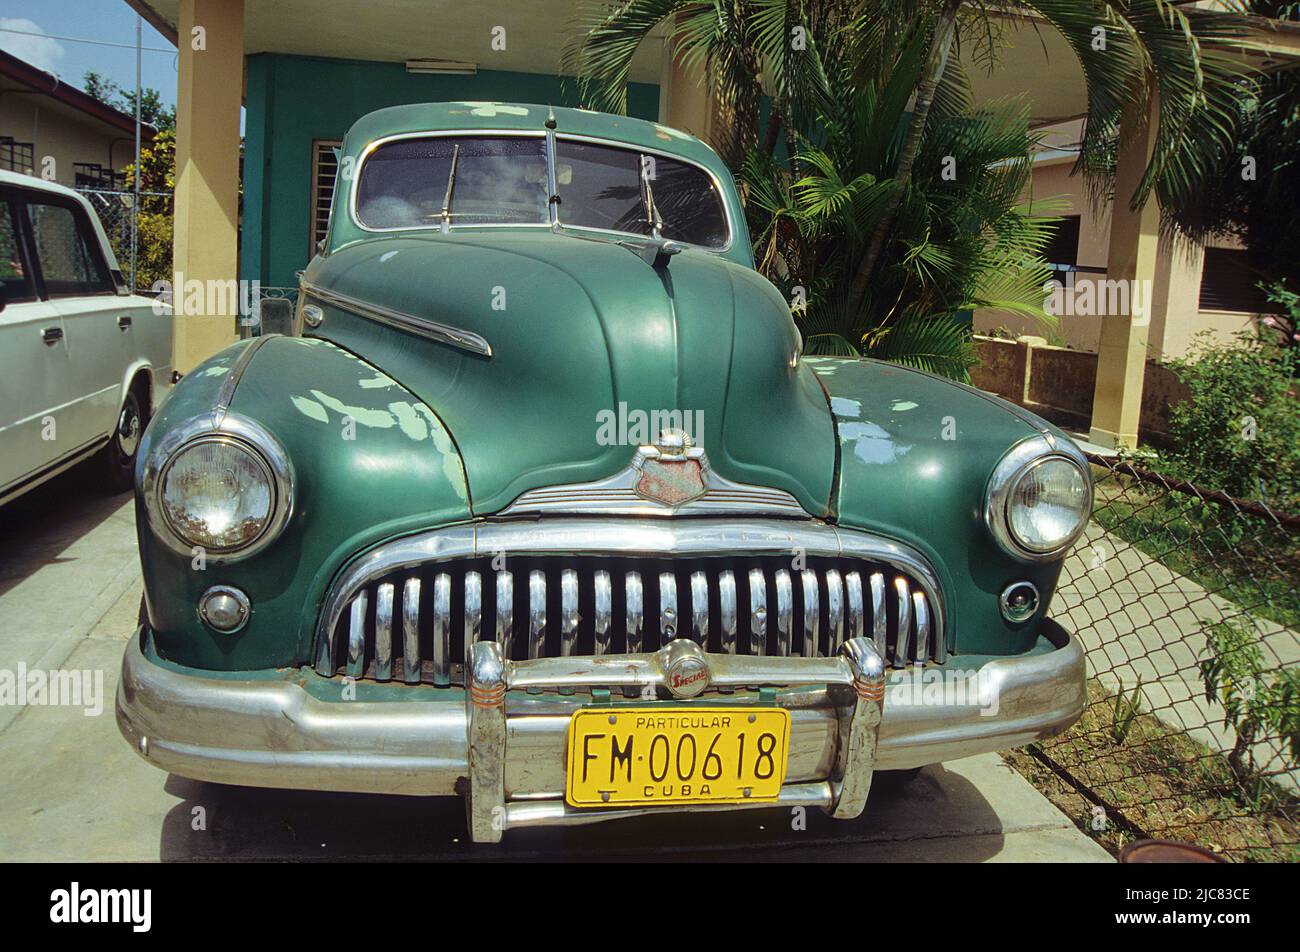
405	184
483	180
603	186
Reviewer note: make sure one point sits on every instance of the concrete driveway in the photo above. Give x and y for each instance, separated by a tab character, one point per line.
73	790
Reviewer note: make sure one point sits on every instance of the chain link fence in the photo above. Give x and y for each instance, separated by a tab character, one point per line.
1186	602
153	249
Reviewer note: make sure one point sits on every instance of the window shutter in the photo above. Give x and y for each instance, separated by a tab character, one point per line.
1228	283
324	168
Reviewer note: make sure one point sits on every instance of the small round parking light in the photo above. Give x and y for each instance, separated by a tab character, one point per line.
1019	601
224	609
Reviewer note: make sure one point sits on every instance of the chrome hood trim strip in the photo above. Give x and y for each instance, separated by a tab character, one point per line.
617	496
445	333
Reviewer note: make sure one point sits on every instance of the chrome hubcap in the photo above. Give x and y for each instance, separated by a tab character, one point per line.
128	430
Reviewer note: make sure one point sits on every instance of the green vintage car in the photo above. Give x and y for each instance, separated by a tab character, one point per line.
542	506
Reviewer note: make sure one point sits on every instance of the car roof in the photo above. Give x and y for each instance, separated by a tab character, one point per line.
445	116
33	182
22	180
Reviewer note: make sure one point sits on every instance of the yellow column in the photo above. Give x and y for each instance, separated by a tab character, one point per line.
685	98
1134	245
210	40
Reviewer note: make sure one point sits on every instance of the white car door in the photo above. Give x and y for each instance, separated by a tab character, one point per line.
37	395
77	279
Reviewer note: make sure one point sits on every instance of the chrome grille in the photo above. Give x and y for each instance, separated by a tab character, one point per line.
560	606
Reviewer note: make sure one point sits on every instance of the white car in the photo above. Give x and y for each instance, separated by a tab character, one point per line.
83	362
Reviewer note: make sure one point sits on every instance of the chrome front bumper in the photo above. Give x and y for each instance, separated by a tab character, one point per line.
501	742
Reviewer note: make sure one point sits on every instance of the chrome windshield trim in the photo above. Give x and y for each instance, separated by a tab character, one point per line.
553	218
429	134
445	333
552	183
663	153
578	536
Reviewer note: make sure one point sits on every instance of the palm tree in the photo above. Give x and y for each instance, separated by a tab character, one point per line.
1254	193
962	238
1130	51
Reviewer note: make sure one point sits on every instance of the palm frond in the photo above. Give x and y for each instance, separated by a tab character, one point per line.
939	345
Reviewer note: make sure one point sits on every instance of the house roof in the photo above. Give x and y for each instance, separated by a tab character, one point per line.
24	73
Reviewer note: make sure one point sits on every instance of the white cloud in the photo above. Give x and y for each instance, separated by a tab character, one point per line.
41	51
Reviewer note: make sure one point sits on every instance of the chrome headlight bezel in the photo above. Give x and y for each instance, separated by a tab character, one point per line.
238	431
1019	461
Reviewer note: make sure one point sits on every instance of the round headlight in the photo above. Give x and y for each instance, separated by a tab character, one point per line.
1048	505
223	486
217	493
1039	498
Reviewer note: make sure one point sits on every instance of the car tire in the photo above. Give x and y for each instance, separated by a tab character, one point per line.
117	459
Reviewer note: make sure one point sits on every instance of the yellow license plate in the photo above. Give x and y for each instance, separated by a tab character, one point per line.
621	757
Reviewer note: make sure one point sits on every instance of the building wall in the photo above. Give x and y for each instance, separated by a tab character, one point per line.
1176	317
1058	384
293	100
62	132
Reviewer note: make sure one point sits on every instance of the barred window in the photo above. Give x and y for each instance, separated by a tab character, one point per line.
94	175
17	156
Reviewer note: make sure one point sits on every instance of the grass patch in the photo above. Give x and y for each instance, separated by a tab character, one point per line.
1161	782
1243	558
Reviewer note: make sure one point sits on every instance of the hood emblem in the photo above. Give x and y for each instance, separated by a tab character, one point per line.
671	472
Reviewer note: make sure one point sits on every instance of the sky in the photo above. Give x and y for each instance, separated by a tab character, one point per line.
62	23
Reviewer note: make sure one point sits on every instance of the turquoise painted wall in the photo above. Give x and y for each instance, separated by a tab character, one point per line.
292	100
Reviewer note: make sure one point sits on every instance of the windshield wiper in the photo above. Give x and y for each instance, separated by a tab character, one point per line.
651	210
451	184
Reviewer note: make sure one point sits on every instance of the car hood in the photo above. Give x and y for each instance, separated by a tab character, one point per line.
585	333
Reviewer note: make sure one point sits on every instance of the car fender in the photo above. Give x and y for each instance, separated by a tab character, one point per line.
916	453
369	461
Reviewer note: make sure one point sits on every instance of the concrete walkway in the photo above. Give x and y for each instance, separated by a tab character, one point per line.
1138	620
73	790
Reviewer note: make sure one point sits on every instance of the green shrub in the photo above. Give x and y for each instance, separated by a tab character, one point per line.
1258	703
1239	431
